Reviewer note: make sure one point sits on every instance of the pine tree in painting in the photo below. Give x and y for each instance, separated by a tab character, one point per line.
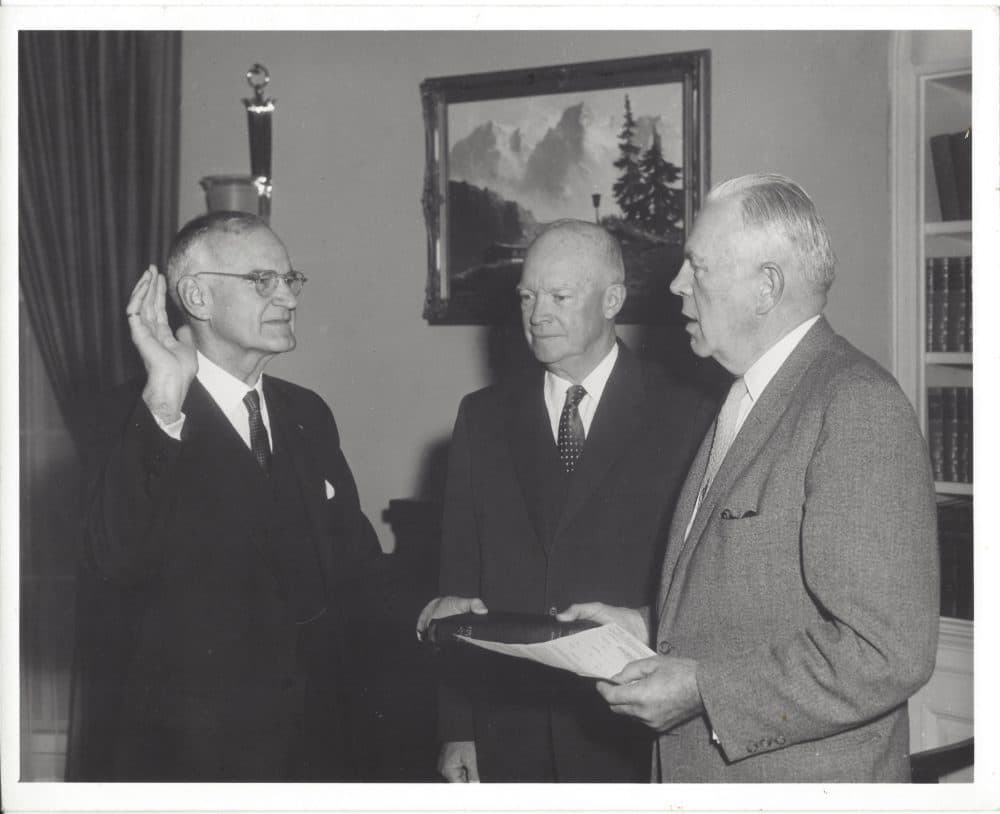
628	189
662	205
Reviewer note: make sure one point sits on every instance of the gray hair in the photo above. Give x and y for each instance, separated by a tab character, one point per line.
772	201
196	231
607	250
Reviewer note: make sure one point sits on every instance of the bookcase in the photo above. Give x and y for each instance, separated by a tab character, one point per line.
932	351
945	105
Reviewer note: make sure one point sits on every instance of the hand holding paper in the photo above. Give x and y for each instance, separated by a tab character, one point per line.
661	692
599	652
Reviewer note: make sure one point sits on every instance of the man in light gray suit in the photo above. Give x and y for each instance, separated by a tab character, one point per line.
798	604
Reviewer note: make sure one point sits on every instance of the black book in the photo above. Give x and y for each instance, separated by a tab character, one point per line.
955	306
937	303
956	552
961	157
963	465
507	628
949	420
967	274
929	303
935	431
945	177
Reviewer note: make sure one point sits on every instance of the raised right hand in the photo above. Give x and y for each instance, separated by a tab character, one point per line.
457	762
447	606
170	361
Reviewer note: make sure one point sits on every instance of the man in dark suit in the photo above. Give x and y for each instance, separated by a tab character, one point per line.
221	499
560	483
798	607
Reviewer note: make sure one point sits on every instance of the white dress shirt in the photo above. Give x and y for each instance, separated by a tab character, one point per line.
764	369
555	393
227	392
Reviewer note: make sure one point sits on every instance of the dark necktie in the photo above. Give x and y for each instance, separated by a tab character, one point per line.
571	435
258	432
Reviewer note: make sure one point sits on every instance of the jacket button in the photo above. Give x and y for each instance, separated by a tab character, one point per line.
780	740
664	647
553	611
726	514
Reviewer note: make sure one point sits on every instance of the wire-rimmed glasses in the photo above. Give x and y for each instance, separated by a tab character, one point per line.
265	281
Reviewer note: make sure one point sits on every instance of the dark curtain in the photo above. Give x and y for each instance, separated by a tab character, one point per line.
99	129
99	116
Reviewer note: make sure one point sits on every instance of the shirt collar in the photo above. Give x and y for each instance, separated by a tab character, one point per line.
224	387
763	370
594	382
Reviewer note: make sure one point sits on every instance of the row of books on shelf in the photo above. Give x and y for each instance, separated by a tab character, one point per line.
955	547
949	304
951	155
949	433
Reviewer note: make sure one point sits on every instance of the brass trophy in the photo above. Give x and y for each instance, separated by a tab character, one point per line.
248	193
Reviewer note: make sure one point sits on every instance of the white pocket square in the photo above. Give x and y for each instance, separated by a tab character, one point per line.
330	491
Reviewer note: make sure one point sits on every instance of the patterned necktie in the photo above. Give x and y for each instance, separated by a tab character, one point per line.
725	432
571	435
258	432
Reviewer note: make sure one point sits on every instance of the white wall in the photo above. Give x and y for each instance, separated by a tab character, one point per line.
348	168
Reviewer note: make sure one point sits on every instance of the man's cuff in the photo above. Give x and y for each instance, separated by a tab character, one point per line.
715	736
173	429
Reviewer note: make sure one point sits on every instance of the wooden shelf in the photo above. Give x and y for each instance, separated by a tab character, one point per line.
963	359
949	488
956	228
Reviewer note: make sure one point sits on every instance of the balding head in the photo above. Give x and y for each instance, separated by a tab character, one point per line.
571	290
598	253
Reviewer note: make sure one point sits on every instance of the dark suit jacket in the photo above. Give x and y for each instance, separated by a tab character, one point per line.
220	654
510	537
808	587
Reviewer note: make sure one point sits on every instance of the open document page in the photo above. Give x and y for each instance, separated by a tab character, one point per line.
600	652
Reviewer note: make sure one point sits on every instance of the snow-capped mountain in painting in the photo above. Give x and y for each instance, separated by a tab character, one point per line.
553	170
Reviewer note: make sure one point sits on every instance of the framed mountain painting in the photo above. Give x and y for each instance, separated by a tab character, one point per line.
623	142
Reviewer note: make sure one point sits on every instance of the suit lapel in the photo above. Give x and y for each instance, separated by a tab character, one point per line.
298	442
207	427
527	428
682	513
753	435
617	420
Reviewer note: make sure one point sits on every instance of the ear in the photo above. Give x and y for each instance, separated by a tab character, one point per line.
772	287
194	298
614	299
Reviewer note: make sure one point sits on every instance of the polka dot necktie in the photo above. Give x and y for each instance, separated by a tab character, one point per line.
258	432
571	435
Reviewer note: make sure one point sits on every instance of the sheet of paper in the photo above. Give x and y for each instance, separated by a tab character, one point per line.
596	653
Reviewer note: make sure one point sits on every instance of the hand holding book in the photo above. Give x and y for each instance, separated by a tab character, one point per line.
582	646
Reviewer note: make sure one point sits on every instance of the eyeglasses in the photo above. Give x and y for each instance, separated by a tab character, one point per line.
265	281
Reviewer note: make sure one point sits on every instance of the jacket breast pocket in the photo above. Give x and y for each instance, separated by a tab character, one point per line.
747	527
758	558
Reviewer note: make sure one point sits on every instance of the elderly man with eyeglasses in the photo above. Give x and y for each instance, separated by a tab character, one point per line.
221	503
